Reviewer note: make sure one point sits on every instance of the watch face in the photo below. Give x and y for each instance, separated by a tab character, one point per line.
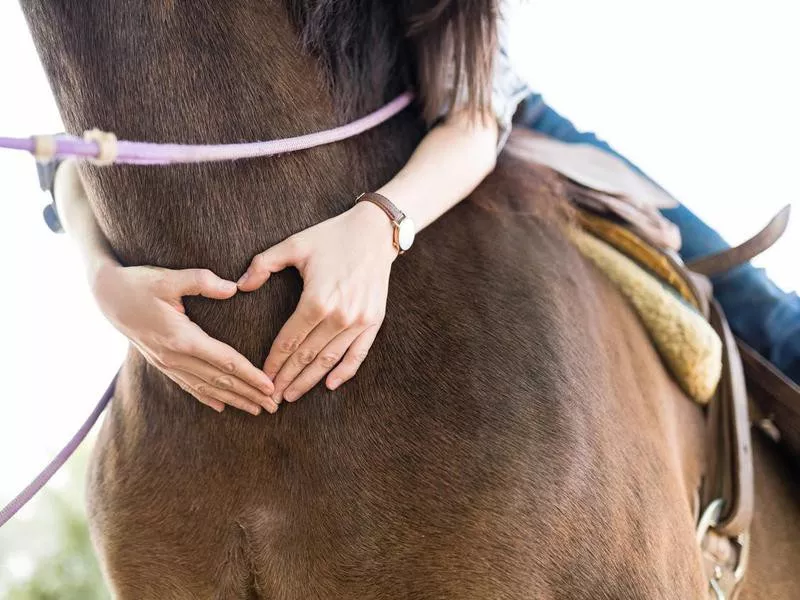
405	234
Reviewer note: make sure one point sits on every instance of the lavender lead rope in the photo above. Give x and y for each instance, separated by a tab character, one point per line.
99	145
103	148
10	509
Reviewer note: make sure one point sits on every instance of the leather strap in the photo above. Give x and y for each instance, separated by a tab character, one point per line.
730	463
728	494
382	202
723	531
728	491
733	257
776	398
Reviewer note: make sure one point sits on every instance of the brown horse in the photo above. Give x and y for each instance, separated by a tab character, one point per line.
512	434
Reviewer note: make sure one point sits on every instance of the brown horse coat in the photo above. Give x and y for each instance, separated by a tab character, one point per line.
512	433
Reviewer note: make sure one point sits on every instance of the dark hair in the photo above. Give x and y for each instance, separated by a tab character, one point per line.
372	49
454	43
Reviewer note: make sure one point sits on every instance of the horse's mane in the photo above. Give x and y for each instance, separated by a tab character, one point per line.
372	49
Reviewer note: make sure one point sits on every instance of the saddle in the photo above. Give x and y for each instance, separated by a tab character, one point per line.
622	232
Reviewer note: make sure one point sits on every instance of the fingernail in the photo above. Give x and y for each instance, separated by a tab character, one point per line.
334	384
227	286
243	278
267	387
290	396
276	398
254	410
272	408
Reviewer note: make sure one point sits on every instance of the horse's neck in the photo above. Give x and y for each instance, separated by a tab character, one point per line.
187	74
182	72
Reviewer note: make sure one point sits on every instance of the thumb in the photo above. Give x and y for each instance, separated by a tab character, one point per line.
202	282
277	258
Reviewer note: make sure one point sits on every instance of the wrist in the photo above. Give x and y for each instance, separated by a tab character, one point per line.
374	225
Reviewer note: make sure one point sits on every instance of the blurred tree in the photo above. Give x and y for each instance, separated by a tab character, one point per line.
57	537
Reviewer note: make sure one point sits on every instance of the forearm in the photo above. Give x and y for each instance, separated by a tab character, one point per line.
79	221
447	165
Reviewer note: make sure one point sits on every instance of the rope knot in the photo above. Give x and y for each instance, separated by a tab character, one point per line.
44	148
106	146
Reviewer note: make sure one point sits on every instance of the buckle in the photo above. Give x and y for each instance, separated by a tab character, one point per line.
740	545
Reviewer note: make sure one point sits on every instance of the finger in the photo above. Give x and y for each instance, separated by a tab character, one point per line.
207	393
226	359
216	378
322	335
308	314
170	365
178	379
326	360
201	282
277	258
184	385
355	356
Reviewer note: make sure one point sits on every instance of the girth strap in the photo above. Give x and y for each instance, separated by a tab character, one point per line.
730	463
727	494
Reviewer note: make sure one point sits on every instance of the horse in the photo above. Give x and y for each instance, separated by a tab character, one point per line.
512	434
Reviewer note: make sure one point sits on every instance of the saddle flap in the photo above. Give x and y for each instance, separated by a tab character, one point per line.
601	182
591	167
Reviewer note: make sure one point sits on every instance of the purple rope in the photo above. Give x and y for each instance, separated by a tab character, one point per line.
144	153
10	509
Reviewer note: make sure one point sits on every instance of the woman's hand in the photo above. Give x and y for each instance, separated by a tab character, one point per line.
144	303
345	264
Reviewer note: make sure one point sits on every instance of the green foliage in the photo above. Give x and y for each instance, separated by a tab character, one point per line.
56	538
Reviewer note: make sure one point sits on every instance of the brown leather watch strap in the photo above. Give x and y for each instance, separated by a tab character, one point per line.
386	205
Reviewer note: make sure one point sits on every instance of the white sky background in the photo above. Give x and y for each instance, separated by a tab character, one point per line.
703	94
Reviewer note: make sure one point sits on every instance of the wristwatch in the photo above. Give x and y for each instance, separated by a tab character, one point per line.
47	176
404	228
